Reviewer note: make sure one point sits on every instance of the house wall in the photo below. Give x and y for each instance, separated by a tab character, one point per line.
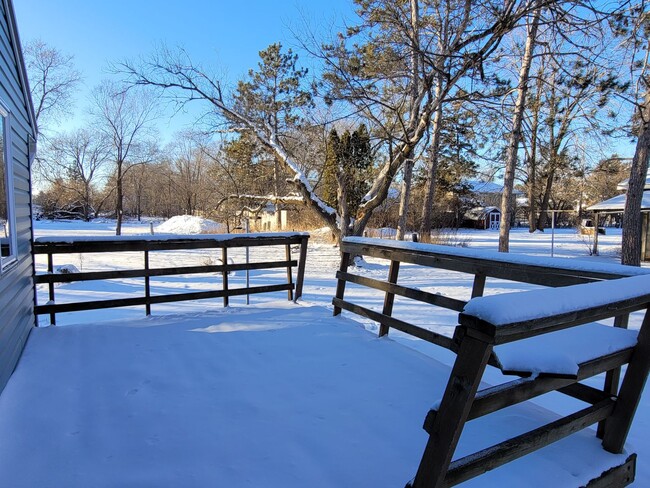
16	281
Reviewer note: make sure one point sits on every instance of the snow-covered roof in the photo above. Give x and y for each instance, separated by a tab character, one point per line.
623	185
478	186
617	204
478	213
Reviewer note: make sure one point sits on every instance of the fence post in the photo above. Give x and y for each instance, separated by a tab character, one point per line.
302	262
147	288
479	284
613	376
289	277
619	422
340	285
389	298
50	270
224	261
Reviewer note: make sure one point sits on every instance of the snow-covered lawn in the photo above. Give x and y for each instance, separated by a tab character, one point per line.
269	395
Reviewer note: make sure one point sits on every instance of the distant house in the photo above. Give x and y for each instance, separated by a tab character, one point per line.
266	218
483	218
269	221
487	195
617	205
17	153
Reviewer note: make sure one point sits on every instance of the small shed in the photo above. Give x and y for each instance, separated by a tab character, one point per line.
483	218
617	205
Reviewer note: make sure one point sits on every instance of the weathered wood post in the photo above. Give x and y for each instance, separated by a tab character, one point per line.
618	424
50	270
340	285
289	276
147	288
473	355
302	262
389	298
224	274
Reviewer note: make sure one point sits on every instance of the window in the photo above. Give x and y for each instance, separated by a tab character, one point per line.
7	215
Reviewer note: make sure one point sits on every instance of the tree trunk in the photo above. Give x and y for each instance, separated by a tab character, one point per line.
430	189
543	209
342	196
515	136
631	243
405	196
532	157
119	200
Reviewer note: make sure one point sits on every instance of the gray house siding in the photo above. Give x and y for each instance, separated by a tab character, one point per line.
16	282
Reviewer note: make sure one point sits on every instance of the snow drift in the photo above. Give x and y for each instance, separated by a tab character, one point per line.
189	224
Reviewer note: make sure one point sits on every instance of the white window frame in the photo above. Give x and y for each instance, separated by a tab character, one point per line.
7	261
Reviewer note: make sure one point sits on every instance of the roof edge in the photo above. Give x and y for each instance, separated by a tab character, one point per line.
20	60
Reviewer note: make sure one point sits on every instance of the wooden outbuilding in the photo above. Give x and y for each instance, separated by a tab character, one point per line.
483	218
617	205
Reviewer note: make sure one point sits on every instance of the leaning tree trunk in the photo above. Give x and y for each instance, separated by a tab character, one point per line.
408	163
426	221
631	243
546	199
404	199
515	136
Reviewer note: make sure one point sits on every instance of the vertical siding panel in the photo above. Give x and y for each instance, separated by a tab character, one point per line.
16	282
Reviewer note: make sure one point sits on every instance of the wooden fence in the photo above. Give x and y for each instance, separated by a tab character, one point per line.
475	342
145	245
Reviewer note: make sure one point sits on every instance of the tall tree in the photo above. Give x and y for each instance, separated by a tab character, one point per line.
52	81
371	69
366	71
634	28
507	199
347	170
125	116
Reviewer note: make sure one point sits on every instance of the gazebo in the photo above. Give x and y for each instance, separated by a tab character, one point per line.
617	205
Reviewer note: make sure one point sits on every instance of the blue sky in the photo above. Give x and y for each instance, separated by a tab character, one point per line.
225	34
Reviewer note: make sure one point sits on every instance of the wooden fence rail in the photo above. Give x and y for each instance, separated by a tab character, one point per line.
61	246
477	340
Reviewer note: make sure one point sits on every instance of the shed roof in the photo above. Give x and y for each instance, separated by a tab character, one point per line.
623	185
617	204
478	186
478	213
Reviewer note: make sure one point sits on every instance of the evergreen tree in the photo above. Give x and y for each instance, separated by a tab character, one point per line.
347	170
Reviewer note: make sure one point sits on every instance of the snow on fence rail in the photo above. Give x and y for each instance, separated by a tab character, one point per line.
147	244
546	337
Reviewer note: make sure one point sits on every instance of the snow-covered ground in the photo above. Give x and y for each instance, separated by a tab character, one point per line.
209	316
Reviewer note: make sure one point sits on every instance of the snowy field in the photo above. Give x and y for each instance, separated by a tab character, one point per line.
375	403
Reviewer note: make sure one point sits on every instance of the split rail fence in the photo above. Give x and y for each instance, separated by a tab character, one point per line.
476	342
62	246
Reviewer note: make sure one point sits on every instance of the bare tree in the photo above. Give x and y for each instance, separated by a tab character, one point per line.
52	80
515	134
368	85
125	116
76	162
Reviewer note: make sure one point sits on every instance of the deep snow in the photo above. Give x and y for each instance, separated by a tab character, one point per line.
209	316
